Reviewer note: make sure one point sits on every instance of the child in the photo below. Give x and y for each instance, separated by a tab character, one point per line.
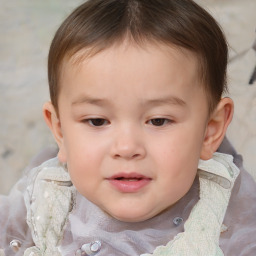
137	112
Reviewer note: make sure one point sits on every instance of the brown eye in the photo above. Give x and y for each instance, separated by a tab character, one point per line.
159	121
97	122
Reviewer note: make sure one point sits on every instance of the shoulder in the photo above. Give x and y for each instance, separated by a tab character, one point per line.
50	175
239	238
50	198
49	171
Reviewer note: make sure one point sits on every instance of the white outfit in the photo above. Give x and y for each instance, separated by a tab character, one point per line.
62	222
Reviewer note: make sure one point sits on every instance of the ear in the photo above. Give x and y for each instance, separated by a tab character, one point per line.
52	120
216	127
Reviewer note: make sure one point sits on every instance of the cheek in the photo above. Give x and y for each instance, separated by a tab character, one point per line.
84	169
178	166
180	152
85	156
80	145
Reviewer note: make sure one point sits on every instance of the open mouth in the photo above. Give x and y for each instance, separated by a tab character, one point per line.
129	183
128	176
128	179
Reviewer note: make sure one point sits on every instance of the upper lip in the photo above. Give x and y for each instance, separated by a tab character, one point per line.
132	175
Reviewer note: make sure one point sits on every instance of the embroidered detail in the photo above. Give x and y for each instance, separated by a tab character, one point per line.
223	228
67	183
49	200
32	251
49	204
225	183
203	226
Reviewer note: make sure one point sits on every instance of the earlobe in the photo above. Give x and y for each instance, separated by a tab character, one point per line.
216	127
52	120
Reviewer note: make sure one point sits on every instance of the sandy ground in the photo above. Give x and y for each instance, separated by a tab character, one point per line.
27	28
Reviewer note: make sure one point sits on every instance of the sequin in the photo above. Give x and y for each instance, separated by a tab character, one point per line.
15	245
177	221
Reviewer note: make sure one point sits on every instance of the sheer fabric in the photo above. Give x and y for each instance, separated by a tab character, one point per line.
87	223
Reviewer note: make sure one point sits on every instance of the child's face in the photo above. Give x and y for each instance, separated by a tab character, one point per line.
132	125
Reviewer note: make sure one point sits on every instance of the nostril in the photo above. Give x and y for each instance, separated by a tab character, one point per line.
127	149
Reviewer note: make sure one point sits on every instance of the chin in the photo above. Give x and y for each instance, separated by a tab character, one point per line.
132	216
130	219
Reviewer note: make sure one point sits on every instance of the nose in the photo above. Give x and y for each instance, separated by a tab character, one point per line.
128	144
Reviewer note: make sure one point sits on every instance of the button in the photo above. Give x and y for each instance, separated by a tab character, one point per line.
177	221
15	245
90	248
95	246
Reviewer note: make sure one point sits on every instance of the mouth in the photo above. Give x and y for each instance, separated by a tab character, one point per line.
129	183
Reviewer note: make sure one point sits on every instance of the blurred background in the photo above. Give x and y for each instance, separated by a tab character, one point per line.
27	28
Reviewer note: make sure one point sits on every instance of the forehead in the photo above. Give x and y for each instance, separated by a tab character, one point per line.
149	73
123	55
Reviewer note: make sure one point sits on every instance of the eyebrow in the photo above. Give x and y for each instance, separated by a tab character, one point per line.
89	100
169	100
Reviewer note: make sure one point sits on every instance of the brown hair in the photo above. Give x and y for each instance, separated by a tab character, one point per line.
98	24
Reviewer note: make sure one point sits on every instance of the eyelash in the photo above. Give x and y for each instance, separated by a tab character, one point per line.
98	122
160	121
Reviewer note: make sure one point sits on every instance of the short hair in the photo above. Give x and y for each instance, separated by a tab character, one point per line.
99	24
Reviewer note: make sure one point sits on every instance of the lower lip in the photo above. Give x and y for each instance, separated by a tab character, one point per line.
126	186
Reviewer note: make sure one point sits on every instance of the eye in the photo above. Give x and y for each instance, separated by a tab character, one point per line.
159	121
96	121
